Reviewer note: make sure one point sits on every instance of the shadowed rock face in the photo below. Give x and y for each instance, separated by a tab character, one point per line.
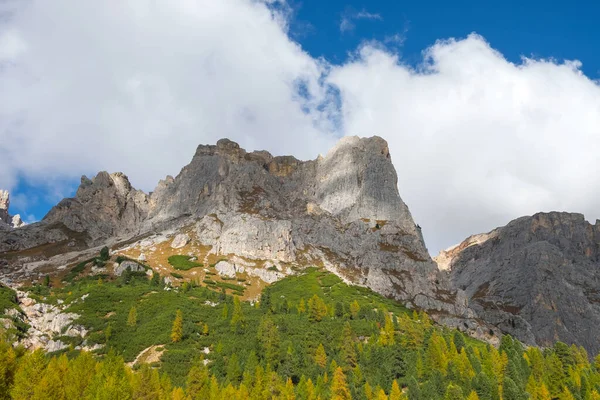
537	278
341	211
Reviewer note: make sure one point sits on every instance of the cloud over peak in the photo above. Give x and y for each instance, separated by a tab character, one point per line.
477	140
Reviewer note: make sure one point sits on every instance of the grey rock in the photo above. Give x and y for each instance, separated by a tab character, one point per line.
226	269
536	278
180	241
7	220
341	211
131	265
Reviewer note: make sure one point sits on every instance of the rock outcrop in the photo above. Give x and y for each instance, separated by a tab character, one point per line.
105	206
7	220
537	278
342	211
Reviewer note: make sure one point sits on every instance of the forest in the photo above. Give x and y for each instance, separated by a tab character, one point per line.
310	336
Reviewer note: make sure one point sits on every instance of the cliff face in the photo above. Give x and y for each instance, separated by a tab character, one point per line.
536	278
342	211
7	220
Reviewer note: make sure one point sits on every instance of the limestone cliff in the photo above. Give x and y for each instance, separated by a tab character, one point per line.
342	211
7	220
536	278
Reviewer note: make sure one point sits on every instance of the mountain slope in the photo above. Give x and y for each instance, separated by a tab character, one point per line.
536	278
341	211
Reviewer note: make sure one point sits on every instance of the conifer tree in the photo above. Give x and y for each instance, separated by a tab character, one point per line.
348	351
177	330
354	309
237	318
473	395
368	391
321	356
339	387
132	318
317	308
268	337
301	306
395	392
29	374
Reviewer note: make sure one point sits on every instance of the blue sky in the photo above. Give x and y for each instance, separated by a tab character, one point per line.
135	89
562	30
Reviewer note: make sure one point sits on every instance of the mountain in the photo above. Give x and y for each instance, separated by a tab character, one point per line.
537	278
7	220
259	213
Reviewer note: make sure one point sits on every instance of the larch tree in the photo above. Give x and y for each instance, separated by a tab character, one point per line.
177	330
132	317
339	386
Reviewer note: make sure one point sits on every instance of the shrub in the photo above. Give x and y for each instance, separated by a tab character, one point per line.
183	263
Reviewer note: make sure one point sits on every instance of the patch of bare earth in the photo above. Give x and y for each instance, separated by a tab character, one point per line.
148	356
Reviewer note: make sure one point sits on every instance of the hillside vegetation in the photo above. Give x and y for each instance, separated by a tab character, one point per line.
311	336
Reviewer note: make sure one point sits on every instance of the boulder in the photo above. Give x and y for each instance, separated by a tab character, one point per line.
180	241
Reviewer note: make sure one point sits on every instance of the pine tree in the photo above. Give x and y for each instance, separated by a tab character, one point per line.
268	337
386	336
237	318
132	318
301	307
453	392
317	308
321	356
354	309
78	376
178	394
225	313
234	371
368	391
395	392
8	365
339	387
473	395
177	330
348	351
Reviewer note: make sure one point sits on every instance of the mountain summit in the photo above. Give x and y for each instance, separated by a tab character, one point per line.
341	211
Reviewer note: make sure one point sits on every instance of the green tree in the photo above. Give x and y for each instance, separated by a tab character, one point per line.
268	337
132	317
237	319
354	309
347	347
104	254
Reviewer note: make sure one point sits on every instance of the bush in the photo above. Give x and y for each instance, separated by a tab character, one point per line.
183	263
176	275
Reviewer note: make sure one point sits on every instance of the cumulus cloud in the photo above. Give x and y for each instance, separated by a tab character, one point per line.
348	24
476	140
137	87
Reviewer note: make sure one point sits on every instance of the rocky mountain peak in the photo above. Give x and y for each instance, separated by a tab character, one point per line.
342	212
5	218
536	278
103	206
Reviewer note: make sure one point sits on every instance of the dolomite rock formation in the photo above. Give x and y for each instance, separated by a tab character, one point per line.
342	211
7	220
537	278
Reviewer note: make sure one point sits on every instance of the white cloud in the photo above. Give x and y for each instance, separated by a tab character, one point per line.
476	140
347	23
137	87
